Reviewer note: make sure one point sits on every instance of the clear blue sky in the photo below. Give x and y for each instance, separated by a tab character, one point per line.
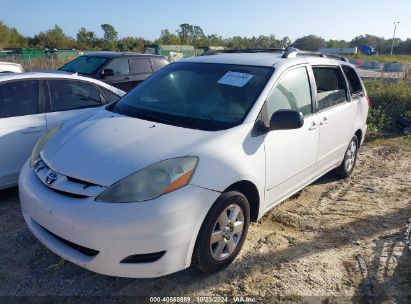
330	19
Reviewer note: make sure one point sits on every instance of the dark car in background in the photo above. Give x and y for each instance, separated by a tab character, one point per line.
122	70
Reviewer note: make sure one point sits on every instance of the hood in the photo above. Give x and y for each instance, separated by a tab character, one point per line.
108	147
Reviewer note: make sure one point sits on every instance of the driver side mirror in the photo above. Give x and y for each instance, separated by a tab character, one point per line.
107	72
286	120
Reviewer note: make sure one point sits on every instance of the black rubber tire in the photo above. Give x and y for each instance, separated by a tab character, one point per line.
341	171
202	258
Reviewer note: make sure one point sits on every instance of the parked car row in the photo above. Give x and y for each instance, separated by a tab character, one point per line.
122	70
171	174
33	103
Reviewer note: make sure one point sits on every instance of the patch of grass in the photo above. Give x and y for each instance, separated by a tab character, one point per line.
56	266
384	58
402	142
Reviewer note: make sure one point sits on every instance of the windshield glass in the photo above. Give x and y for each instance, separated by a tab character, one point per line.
202	96
84	65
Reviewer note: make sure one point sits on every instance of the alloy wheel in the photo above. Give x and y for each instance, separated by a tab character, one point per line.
227	232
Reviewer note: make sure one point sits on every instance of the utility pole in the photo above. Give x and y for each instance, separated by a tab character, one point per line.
393	37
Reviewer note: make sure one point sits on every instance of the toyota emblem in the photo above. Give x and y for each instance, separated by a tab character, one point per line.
51	178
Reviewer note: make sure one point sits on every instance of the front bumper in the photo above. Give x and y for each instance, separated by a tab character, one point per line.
169	223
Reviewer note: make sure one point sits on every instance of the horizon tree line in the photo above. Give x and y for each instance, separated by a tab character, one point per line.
186	34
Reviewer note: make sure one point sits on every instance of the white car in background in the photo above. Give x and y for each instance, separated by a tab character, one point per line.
33	103
172	174
10	67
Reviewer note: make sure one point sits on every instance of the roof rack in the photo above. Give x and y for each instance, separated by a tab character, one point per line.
251	50
287	52
295	53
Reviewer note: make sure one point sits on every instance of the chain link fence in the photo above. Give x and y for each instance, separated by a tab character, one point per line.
390	103
39	59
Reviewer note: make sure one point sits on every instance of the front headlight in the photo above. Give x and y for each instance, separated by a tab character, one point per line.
151	182
42	142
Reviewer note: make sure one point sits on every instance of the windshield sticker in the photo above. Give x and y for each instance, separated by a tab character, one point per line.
235	79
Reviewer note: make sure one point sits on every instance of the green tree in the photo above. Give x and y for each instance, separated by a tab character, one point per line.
131	44
110	33
110	36
376	42
11	38
54	38
337	44
285	42
185	33
167	37
86	39
309	43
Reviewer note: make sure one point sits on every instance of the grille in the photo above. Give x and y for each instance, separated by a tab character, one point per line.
63	184
84	250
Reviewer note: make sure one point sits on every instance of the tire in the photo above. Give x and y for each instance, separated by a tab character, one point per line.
407	234
212	257
350	158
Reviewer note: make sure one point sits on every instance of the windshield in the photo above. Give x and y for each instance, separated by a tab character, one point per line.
84	65
202	96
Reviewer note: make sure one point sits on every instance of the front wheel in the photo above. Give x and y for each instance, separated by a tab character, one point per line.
223	232
350	158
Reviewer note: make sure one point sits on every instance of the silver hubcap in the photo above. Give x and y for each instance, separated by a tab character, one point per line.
350	156
227	232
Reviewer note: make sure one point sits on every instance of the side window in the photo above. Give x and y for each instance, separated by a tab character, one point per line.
330	87
354	81
18	98
291	92
140	65
158	63
119	67
110	96
72	94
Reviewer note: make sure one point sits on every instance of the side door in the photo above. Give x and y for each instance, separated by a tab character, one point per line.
119	75
141	68
290	154
67	98
336	116
358	99
22	123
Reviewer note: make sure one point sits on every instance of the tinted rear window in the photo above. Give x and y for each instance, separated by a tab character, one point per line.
330	86
18	98
140	65
354	81
71	94
84	65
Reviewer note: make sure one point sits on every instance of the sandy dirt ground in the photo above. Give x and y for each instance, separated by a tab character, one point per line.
305	250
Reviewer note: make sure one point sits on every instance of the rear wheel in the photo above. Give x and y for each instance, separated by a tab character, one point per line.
223	232
350	158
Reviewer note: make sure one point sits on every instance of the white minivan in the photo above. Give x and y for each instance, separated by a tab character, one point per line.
173	173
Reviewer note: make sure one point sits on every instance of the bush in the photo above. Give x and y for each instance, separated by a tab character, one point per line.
388	101
377	120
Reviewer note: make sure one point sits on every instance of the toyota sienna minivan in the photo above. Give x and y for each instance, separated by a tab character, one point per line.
172	174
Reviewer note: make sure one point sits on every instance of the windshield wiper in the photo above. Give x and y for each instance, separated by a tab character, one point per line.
160	119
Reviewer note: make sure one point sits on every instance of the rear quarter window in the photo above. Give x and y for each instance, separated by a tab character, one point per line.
140	66
158	63
354	81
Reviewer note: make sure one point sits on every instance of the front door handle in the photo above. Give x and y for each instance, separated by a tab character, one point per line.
313	126
128	78
31	130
